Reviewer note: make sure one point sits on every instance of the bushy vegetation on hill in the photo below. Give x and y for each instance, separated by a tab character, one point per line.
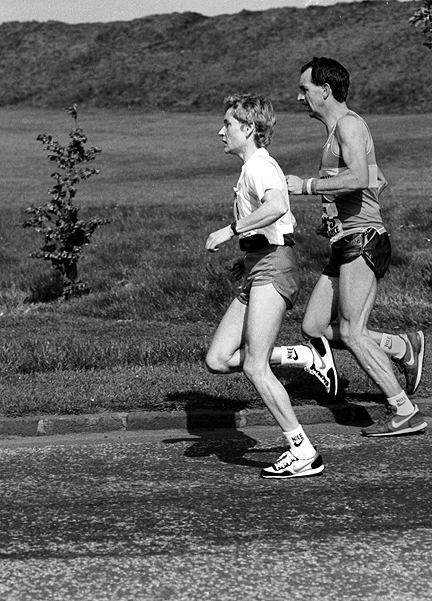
188	61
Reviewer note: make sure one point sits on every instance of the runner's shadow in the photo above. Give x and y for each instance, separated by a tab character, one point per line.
216	433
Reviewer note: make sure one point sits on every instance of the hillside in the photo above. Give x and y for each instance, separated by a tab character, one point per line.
188	61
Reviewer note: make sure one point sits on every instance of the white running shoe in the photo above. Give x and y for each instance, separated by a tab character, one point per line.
323	366
289	466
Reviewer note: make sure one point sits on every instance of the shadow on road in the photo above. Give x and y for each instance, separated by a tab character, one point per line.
222	438
212	423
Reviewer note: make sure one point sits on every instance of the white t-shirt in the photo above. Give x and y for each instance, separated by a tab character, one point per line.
259	174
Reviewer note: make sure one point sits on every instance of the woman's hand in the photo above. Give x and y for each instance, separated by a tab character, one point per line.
218	237
237	268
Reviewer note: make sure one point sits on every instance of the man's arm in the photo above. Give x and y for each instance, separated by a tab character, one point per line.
273	207
352	137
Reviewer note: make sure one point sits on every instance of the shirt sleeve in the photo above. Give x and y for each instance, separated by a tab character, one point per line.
263	176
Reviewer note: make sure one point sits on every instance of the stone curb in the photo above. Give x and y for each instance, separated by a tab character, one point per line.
343	413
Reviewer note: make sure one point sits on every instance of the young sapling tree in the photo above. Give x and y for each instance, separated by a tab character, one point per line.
64	234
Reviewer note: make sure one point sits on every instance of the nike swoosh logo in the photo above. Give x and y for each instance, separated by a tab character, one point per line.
395	425
322	366
299	469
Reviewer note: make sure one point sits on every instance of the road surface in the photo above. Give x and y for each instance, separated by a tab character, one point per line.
175	516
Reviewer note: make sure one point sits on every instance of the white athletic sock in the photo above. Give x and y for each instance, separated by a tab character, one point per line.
299	443
393	345
299	355
402	403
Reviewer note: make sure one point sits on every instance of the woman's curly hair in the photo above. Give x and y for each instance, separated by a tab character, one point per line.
253	110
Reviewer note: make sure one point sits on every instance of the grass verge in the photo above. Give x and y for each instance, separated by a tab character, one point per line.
138	340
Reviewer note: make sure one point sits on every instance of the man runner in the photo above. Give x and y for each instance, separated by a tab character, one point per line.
350	182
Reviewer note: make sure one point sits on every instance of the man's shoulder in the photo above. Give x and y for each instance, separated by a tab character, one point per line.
351	124
351	117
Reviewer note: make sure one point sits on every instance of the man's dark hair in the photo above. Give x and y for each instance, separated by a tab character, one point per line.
252	109
327	70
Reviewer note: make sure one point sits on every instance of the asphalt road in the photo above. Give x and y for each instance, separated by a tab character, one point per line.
184	516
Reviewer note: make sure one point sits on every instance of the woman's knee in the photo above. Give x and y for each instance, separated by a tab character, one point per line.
310	328
307	332
216	364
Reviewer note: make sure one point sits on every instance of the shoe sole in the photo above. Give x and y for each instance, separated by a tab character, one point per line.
416	430
333	383
309	473
305	474
313	471
420	362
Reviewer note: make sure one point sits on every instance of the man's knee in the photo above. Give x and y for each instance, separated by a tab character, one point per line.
350	334
254	369
250	369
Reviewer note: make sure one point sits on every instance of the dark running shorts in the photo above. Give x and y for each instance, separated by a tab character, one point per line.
275	265
373	247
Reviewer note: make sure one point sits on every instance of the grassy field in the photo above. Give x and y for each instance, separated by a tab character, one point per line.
139	339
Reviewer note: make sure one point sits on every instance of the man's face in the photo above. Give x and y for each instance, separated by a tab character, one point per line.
232	133
310	94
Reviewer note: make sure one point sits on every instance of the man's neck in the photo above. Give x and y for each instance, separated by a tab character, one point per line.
333	113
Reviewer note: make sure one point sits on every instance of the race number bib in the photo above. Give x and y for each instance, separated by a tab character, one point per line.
331	226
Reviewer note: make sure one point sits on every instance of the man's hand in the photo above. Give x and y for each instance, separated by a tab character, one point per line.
295	184
218	237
